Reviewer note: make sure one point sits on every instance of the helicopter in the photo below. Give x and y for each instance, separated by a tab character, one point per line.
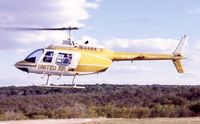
73	59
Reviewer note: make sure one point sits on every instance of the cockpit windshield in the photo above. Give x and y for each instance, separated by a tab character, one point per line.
34	56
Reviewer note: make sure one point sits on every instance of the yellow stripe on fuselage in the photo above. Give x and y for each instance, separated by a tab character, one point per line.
92	59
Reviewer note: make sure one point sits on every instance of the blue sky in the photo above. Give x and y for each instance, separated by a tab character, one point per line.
125	25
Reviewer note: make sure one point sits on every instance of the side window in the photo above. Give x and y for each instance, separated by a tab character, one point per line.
64	59
48	57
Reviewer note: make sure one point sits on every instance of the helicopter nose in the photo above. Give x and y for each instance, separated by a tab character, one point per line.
21	65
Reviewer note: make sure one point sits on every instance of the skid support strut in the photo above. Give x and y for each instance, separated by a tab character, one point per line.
47	83
73	83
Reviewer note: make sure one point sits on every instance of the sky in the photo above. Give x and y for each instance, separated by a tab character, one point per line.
125	25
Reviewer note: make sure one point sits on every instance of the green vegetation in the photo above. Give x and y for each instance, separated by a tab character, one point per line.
111	101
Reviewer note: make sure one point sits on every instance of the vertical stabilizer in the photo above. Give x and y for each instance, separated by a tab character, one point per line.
180	46
178	65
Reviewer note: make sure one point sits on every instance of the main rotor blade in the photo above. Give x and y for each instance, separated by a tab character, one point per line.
37	29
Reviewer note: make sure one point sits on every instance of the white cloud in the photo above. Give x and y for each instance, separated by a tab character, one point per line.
130	67
41	12
193	53
45	13
155	44
21	51
165	45
196	10
40	37
197	45
72	11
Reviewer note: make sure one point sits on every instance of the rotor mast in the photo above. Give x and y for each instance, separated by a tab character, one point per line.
69	29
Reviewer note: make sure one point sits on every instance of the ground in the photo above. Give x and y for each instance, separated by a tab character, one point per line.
109	121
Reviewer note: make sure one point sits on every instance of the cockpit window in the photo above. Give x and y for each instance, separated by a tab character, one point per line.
48	57
34	56
64	59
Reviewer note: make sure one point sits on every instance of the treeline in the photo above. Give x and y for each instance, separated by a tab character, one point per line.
112	101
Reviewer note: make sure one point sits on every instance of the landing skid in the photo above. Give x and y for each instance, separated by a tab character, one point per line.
62	86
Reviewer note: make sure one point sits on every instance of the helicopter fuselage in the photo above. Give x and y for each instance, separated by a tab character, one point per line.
63	60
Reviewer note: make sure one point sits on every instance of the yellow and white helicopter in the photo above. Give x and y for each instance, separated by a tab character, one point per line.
72	59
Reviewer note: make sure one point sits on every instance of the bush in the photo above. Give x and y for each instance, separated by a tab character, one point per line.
111	111
195	108
112	101
39	117
164	111
12	116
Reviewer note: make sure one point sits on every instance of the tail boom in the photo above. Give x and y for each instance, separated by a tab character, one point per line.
176	57
124	56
